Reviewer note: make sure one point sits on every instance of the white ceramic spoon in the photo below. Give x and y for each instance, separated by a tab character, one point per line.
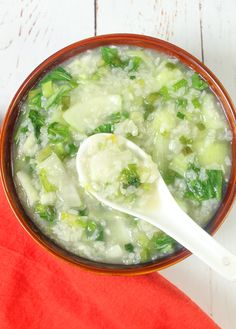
166	215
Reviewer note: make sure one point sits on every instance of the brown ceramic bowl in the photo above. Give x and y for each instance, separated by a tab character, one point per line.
7	140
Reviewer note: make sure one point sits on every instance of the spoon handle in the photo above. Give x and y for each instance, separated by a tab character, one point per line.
176	223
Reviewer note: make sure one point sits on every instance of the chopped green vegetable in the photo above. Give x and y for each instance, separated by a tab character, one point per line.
180	115
196	103
162	242
185	140
84	212
181	102
71	149
37	120
149	102
105	128
34	99
187	150
117	117
58	132
94	231
73	220
130	177
129	247
201	126
180	84
58	97
171	66
134	63
48	187
44	153
164	92
46	212
47	88
169	176
211	187
59	74
65	102
198	83
111	57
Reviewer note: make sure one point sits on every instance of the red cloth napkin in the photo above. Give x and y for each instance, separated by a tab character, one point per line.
39	291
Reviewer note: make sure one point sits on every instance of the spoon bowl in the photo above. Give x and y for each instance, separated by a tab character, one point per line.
165	214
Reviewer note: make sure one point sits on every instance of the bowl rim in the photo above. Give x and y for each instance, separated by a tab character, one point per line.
12	115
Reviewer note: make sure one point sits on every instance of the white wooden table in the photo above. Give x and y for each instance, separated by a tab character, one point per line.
31	30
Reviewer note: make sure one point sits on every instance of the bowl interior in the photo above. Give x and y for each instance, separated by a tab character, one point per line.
12	116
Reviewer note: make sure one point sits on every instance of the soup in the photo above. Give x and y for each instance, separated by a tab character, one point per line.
152	99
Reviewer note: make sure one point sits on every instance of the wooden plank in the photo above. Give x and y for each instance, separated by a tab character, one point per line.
30	31
174	21
219	45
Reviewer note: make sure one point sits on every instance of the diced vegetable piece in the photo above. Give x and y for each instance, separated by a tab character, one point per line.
182	102
58	97
73	220
211	117
29	189
130	177
164	92
215	178
37	120
187	150
129	247
47	89
59	74
81	115
185	140
58	176
149	102
65	102
196	103
44	153
169	176
84	212
47	213
48	187
171	66
201	126
180	164
30	146
111	57
145	255
198	83
180	84
212	154
57	132
180	115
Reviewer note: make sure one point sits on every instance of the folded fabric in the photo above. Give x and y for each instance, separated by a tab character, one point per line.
40	291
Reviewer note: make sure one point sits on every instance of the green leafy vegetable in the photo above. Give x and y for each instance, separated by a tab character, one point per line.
48	187
134	63
129	247
162	242
187	150
164	92
180	115
105	128
34	99
38	121
94	231
59	74
84	212
180	84
129	176
201	126
111	57
46	212
58	97
117	117
58	132
47	88
211	187
198	83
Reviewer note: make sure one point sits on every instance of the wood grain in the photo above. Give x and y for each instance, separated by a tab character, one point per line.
32	30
